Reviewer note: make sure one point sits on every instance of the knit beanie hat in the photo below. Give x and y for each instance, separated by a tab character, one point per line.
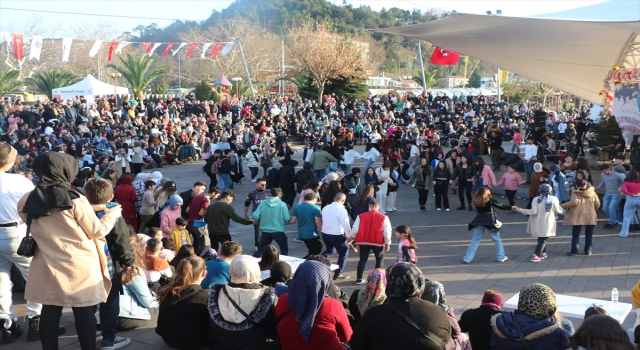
491	300
635	295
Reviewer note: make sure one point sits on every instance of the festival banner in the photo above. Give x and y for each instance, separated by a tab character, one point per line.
5	36
204	49
626	109
95	48
227	48
112	47
18	44
155	46
121	46
147	47
178	49
444	57
166	51
190	49
36	47
66	49
216	49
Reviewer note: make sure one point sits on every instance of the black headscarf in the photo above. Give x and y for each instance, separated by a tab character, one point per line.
56	171
280	272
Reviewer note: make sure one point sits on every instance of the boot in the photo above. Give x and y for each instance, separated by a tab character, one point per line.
34	329
10	333
470	207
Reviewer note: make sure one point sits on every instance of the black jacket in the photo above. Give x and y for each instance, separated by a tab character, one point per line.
183	320
287	178
382	328
225	165
477	322
120	245
465	174
302	177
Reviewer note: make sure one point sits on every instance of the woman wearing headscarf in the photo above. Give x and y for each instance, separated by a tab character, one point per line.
127	197
280	274
241	311
536	306
140	187
434	292
373	294
307	317
169	215
388	327
538	177
542	220
69	268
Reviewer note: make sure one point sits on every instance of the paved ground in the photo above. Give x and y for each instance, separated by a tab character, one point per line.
443	238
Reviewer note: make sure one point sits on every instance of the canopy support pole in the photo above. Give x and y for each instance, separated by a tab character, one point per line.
424	83
246	70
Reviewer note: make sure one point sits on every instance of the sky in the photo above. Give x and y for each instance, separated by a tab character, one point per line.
163	12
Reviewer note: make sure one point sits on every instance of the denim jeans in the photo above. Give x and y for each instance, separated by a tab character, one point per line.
368	164
254	172
632	204
478	233
267	237
319	173
609	204
588	240
528	168
225	182
333	244
10	238
364	251
515	147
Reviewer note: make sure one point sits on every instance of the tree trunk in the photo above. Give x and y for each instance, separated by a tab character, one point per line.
320	92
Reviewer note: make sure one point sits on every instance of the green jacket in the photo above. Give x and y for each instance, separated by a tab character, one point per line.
218	216
321	159
417	176
272	215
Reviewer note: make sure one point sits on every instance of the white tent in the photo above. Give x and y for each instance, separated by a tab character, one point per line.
89	87
571	50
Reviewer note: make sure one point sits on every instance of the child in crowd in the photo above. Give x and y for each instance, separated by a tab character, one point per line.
406	245
150	232
511	180
149	203
158	271
180	234
169	249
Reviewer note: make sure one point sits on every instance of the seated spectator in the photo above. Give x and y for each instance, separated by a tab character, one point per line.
279	277
241	311
184	252
477	322
150	232
373	294
157	267
600	332
536	306
137	297
218	269
333	291
270	256
169	250
307	318
183	318
434	292
387	326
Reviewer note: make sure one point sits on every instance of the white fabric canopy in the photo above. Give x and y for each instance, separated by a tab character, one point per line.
88	87
572	50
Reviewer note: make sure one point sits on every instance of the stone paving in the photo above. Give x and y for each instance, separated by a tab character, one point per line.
443	238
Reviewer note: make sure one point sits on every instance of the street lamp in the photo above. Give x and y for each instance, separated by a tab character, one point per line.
115	90
237	79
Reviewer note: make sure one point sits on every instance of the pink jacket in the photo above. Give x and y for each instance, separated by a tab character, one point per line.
488	177
511	181
168	220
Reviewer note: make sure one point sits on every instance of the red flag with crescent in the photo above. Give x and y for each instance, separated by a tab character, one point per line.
18	44
112	47
216	49
147	46
444	57
191	48
166	51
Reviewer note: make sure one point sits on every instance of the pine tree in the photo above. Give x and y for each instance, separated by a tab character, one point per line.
605	129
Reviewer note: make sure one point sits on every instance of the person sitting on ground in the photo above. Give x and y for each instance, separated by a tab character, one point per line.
270	255
434	292
307	317
218	269
241	311
184	252
387	326
169	250
536	306
280	275
137	297
150	232
157	268
372	294
600	332
183	318
477	322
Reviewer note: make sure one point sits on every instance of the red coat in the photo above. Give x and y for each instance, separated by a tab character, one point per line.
330	327
126	196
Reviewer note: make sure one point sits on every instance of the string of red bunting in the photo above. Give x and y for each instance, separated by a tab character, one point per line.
114	47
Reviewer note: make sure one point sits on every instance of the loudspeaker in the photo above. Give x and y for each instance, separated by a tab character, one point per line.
540	117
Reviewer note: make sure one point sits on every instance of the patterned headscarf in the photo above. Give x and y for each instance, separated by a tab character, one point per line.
208	253
545	191
404	280
537	300
373	294
434	292
307	292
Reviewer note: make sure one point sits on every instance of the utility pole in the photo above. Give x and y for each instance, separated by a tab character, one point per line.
498	85
424	83
282	68
179	74
246	70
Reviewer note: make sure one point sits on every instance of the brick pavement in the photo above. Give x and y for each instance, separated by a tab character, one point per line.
442	239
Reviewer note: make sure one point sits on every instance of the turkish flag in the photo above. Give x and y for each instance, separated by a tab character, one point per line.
216	49
166	51
112	47
18	44
148	47
191	48
444	57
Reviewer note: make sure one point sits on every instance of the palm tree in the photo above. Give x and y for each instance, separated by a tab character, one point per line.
138	72
431	78
52	79
9	80
243	89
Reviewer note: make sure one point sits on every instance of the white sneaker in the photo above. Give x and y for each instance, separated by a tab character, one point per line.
438	208
504	259
447	209
254	180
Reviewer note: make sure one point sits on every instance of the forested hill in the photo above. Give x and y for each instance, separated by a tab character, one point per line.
279	15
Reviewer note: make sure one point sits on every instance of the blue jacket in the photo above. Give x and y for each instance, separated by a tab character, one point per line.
272	214
540	333
559	177
136	299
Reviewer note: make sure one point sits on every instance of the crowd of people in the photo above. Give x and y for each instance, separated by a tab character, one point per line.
120	240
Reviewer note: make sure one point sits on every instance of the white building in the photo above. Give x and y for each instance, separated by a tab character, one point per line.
457	80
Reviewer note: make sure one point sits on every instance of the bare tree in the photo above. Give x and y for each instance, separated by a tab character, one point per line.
325	55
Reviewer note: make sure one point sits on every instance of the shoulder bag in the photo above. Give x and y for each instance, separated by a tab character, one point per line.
27	247
425	332
522	339
495	222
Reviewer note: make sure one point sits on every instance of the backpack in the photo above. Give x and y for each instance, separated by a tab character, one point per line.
215	167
